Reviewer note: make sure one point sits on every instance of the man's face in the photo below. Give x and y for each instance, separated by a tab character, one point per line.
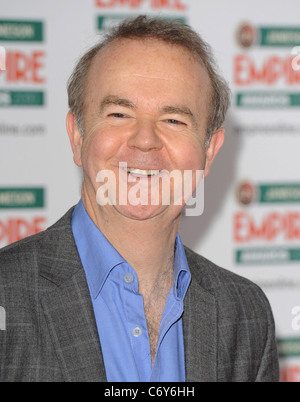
147	109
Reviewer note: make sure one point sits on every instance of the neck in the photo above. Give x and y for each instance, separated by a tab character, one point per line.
146	244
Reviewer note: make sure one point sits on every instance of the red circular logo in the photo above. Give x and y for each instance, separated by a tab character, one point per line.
245	193
246	35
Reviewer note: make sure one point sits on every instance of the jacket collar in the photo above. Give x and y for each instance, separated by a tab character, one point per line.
70	318
200	334
200	325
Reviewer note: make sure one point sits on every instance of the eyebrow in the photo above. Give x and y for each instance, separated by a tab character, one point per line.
177	110
115	100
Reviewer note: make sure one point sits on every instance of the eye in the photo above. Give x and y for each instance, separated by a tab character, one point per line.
175	122
118	115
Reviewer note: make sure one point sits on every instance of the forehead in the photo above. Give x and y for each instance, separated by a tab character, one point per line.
147	61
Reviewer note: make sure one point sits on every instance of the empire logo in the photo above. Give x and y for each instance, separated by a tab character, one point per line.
136	4
272	71
276	70
14	229
25	67
273	226
22	66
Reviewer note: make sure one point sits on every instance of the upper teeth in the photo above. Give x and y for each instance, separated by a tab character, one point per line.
143	172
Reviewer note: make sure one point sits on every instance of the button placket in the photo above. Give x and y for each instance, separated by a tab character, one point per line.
136	321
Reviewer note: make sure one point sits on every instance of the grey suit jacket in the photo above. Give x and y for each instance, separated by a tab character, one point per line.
51	333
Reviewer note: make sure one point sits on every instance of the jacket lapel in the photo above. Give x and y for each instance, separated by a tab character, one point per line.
200	334
71	323
67	306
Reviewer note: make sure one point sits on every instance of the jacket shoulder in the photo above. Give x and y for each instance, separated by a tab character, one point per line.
27	256
29	270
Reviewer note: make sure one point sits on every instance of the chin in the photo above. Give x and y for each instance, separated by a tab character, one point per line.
148	212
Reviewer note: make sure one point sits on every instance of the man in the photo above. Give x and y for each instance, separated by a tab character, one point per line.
109	293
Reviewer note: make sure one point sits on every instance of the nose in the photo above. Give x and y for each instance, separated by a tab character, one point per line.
145	138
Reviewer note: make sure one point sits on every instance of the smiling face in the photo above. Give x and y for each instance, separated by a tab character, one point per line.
147	107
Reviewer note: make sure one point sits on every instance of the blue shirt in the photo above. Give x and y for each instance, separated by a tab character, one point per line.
119	309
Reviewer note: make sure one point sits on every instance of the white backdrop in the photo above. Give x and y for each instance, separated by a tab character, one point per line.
251	222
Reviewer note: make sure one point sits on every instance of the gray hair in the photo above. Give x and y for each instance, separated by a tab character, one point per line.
172	32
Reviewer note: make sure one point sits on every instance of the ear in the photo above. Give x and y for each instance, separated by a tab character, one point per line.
75	138
216	142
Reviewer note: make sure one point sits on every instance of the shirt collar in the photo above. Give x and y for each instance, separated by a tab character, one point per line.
99	257
97	254
182	275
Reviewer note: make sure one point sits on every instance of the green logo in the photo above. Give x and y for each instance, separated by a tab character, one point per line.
267	100
280	193
21	31
22	198
267	255
249	35
289	347
279	37
21	98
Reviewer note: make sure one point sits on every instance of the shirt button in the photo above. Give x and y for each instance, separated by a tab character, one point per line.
137	332
128	278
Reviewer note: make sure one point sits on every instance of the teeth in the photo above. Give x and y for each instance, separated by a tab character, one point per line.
142	172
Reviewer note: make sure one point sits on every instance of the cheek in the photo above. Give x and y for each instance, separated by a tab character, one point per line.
190	157
98	148
193	165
